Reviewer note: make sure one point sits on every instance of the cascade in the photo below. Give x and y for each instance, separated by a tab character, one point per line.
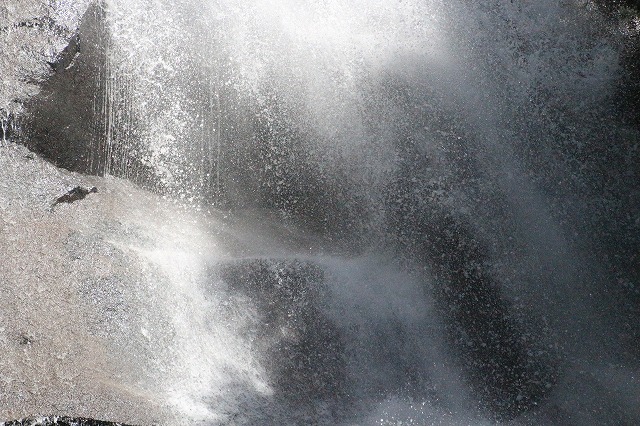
322	212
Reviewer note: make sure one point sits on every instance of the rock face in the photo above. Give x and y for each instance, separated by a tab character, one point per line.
301	346
30	36
54	361
65	122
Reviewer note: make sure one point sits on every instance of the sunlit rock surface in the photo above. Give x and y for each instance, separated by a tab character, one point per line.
57	267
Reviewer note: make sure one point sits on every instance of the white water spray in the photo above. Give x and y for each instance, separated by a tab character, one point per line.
391	215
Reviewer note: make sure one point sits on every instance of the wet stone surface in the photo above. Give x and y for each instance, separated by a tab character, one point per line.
298	341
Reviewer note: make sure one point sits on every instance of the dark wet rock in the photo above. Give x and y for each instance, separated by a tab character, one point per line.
619	7
75	194
503	362
501	357
293	183
68	122
430	223
63	123
300	346
60	421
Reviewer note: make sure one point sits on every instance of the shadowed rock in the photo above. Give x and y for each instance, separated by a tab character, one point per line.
71	121
65	122
299	345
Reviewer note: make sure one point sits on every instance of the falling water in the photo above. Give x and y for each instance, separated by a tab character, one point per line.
328	212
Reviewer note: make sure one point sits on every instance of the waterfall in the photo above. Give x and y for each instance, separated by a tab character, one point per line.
358	212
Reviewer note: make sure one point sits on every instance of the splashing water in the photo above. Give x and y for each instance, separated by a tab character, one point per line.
425	226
